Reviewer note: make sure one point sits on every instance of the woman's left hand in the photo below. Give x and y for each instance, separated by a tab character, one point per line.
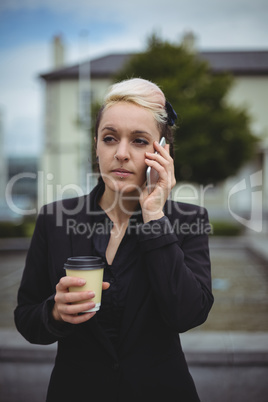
152	204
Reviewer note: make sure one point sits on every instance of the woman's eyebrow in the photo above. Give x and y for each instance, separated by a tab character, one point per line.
135	132
110	128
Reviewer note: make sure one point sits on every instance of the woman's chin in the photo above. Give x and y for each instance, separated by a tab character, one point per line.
124	186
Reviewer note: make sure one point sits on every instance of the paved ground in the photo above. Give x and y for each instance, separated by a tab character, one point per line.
11	267
240	286
228	355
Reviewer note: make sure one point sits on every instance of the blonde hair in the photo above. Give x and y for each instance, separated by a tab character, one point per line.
140	92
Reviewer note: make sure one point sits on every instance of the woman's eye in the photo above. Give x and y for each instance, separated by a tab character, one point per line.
141	141
108	139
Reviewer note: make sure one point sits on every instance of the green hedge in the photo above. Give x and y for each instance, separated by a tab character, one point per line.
26	228
223	228
10	229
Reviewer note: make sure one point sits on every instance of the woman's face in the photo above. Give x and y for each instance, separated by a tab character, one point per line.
125	133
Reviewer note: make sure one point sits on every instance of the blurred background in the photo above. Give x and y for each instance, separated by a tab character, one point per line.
211	60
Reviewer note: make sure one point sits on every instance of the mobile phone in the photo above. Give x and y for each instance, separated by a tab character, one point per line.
152	175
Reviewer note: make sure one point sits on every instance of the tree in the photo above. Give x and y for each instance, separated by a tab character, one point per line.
212	139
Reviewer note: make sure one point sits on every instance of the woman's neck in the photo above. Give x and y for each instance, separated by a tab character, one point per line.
119	207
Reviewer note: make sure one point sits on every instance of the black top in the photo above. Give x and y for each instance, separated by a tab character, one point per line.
119	273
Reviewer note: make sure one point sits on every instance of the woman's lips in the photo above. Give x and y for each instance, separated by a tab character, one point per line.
122	172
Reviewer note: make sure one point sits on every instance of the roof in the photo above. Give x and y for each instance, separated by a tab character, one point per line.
235	62
238	63
105	66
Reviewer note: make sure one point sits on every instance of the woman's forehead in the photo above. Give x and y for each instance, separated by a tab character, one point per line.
126	111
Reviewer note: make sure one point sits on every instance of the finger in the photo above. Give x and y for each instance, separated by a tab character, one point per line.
67	281
67	298
165	171
161	165
156	165
73	309
72	297
162	150
158	161
161	158
105	285
167	148
78	319
165	161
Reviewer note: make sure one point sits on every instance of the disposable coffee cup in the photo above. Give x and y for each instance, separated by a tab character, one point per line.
91	269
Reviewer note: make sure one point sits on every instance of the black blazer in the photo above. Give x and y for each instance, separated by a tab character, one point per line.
169	293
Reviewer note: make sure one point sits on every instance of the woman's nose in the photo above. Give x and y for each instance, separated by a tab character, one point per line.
122	153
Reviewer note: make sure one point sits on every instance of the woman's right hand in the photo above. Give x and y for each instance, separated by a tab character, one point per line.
64	310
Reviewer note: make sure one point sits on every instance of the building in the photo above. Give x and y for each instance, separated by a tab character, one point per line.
70	90
69	94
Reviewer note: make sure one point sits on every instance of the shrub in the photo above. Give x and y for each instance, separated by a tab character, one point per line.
223	228
11	229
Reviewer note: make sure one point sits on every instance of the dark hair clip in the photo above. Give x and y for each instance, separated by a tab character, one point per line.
172	115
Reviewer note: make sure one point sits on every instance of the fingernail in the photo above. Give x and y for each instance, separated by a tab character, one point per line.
82	281
91	294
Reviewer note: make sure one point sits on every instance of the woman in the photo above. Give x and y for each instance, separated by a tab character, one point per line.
157	278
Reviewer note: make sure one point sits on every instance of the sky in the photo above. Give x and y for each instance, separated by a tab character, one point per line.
92	28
